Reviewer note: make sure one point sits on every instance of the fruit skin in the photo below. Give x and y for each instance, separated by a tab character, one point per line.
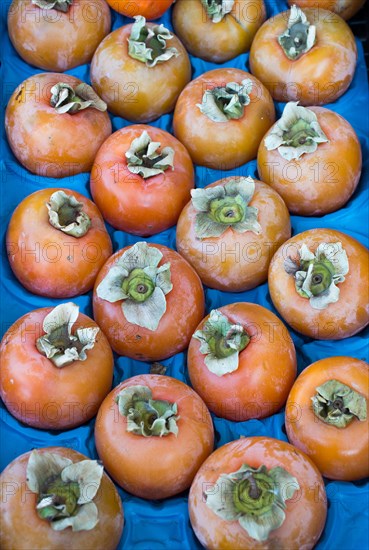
55	41
339	320
45	142
47	261
185	309
222	145
21	527
339	453
266	371
305	513
155	467
344	8
132	90
235	262
43	396
128	201
150	9
320	182
320	75
217	42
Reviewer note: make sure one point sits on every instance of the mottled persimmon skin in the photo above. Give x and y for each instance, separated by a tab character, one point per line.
321	182
217	42
338	320
47	261
266	370
155	467
339	453
56	41
22	529
318	76
45	142
131	89
344	8
305	512
42	395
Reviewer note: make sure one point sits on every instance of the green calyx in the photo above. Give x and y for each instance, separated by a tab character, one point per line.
60	500
217	9
321	276
299	37
256	497
228	210
149	44
66	99
300	134
138	285
337	404
67	214
59	5
221	342
146	158
147	416
227	102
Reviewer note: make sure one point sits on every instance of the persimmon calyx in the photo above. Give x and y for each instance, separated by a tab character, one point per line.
338	404
300	35
149	44
227	102
65	490
221	343
221	207
254	497
217	9
59	344
59	5
140	284
147	416
66	99
67	215
316	275
296	132
146	158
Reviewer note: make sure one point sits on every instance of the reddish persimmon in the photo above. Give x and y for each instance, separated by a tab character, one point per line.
344	8
151	9
155	451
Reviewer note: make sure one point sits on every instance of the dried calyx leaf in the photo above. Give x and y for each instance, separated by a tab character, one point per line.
59	5
316	275
149	44
140	284
227	102
67	215
157	368
146	158
221	343
256	498
217	9
66	99
221	207
59	344
338	404
147	416
299	37
65	490
296	132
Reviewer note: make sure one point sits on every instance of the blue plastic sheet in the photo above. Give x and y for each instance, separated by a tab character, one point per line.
165	524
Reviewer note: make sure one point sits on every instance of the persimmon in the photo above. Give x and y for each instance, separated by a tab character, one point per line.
326	416
318	281
148	301
151	9
217	31
228	231
139	70
242	362
304	55
96	522
57	243
141	179
258	493
57	35
55	124
221	117
56	368
152	433
312	158
344	8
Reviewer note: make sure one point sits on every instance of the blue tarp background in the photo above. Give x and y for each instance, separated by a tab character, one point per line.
165	524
